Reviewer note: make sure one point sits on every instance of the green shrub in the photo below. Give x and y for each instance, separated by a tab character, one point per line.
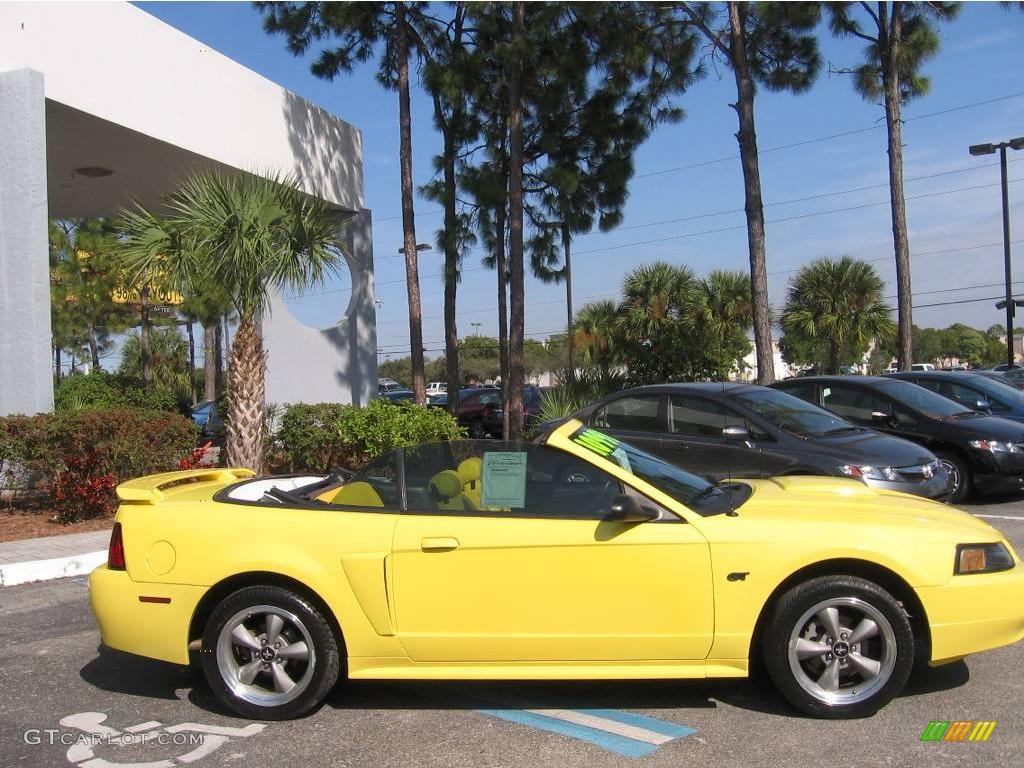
105	390
59	453
383	426
307	439
326	436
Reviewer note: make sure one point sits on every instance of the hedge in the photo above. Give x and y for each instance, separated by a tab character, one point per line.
78	457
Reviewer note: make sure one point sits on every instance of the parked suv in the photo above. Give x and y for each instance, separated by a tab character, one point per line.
740	430
980	451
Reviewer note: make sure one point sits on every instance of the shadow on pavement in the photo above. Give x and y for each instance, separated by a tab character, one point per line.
135	675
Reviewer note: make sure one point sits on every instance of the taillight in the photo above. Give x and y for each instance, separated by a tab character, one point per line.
115	554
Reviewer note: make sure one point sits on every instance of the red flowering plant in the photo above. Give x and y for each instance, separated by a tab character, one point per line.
83	489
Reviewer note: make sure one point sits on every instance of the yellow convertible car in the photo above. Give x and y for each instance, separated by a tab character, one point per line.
577	558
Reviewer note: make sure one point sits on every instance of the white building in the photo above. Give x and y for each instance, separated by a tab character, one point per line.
89	127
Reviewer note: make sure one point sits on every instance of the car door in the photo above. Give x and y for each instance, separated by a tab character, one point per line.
638	419
696	441
532	573
859	404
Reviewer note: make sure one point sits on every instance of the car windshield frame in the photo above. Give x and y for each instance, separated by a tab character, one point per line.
692	491
754	401
918	396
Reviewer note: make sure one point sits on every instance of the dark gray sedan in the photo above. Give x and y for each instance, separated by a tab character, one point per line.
726	430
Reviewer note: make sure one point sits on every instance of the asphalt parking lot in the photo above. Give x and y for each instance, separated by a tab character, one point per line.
60	693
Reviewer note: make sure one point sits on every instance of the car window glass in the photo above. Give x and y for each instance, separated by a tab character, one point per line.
921	399
492	477
791	414
803	390
637	412
375	486
854	403
700	417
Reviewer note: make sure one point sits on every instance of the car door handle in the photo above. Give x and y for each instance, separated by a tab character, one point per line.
439	544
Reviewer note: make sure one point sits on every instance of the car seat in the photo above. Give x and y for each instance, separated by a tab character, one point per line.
470	471
446	491
358	494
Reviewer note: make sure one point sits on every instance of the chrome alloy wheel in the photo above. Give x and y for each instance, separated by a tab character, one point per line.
265	655
842	651
954	474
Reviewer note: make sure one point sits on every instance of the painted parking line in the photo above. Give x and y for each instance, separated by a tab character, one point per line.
1001	517
623	733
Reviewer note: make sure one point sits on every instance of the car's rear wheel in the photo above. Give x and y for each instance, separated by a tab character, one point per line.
838	647
269	653
959	473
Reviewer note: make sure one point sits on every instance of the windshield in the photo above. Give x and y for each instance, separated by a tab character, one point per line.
792	414
691	490
1003	391
922	400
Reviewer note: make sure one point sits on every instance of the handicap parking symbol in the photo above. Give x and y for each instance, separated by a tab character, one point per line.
201	740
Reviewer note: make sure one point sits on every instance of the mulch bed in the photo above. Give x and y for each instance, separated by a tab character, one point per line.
16	524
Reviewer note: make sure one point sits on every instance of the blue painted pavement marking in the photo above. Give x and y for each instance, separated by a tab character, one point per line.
623	733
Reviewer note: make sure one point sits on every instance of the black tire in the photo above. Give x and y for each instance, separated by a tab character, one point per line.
961	473
867	673
311	667
476	429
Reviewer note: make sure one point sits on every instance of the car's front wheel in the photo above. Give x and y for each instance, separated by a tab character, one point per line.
269	653
959	475
838	647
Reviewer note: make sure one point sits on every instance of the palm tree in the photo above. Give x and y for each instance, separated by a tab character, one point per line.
595	335
250	235
658	309
837	302
727	305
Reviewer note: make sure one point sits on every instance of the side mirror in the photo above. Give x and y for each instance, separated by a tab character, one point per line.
626	509
736	433
881	417
982	404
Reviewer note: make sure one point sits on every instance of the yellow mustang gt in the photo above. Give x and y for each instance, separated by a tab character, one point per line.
577	558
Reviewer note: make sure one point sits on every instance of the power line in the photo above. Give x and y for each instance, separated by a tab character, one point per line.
797	217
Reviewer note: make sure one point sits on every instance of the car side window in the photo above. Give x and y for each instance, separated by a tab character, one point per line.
490	478
803	390
636	412
852	402
374	487
700	417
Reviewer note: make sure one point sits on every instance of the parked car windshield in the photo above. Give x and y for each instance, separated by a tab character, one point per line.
922	400
693	491
1003	391
792	414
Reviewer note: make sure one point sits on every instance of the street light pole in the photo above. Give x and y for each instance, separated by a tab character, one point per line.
988	149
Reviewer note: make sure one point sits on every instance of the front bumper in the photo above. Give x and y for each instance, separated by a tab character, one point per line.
974	612
151	629
935	487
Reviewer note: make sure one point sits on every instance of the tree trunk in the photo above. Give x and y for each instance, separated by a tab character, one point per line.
144	339
59	364
191	361
94	348
210	360
517	296
247	365
451	273
753	206
412	277
566	247
890	32
219	333
833	357
499	257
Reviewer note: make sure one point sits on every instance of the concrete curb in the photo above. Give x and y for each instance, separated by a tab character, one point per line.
54	568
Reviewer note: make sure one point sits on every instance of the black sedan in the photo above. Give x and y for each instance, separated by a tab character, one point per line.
977	392
740	430
981	451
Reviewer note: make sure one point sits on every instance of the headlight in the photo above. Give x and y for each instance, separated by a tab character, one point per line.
982	558
995	446
869	473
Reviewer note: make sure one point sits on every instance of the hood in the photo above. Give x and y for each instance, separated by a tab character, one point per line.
873	448
811	499
975	425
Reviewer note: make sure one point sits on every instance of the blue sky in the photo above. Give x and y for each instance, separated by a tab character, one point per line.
693	215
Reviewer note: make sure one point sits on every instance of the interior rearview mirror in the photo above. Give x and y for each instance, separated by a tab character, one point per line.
626	509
